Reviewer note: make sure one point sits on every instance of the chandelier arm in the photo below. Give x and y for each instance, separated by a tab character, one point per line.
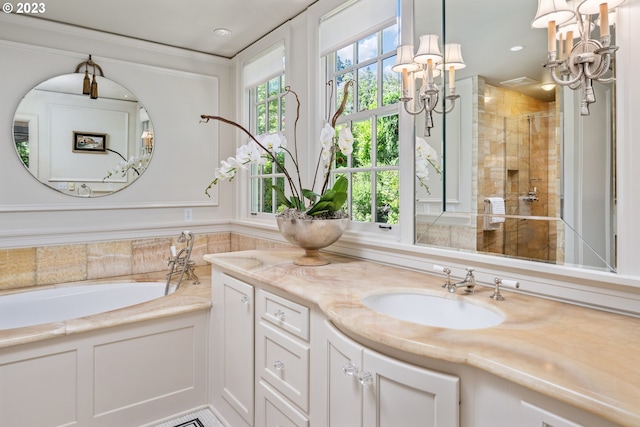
607	80
604	66
558	80
582	29
448	109
576	85
413	113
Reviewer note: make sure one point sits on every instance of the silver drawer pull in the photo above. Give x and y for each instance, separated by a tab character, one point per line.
245	299
278	365
279	315
350	369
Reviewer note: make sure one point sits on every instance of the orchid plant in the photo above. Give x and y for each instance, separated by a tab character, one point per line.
324	204
137	164
426	156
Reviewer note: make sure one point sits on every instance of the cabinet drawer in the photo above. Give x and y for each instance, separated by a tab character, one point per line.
272	410
285	314
283	362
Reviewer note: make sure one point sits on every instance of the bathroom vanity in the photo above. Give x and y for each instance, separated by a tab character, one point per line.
297	347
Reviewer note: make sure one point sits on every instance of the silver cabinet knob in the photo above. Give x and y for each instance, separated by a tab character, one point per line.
278	365
245	299
279	314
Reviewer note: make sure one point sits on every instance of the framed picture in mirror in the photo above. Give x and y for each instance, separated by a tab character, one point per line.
88	142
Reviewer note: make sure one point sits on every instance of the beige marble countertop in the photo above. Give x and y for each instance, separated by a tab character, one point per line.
584	357
186	299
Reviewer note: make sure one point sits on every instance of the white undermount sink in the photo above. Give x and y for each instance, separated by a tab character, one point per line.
431	310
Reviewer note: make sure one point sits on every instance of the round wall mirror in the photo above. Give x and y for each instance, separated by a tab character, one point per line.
81	145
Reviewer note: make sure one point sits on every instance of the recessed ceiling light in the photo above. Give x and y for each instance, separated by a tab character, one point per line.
516	48
223	32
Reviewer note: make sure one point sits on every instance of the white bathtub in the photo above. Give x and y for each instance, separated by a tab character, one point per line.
71	302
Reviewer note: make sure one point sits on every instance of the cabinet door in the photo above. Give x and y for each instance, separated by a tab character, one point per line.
532	416
399	394
233	300
344	391
274	411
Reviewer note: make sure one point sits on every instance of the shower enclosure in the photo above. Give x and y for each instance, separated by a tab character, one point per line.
521	165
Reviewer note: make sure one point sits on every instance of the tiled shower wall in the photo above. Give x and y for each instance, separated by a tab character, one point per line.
505	170
46	265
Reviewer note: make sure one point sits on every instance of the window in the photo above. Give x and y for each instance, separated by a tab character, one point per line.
372	114
267	117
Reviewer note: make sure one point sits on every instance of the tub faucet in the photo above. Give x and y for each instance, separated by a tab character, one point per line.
469	281
180	263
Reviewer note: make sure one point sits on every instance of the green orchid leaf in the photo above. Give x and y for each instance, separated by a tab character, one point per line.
297	203
341	184
319	208
281	197
328	195
311	195
338	201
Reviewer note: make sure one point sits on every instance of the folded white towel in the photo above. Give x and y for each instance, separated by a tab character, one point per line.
495	206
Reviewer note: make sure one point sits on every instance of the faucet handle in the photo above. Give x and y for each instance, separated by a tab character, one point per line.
445	270
498	281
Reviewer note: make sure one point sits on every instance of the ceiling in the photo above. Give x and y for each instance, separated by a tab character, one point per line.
186	24
487	30
190	25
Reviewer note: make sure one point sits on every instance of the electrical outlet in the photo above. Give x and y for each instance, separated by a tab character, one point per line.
188	215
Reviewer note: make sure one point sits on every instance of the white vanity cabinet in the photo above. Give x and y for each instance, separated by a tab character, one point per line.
366	388
232	349
276	360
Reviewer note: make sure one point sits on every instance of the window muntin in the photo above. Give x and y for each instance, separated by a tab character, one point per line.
372	114
267	117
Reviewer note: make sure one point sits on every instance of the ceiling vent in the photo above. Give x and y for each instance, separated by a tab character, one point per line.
519	81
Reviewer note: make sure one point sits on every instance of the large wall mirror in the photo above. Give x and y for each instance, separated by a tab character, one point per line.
81	145
515	144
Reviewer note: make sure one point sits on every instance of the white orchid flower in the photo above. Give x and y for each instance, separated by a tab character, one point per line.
345	141
326	136
274	142
226	170
243	154
426	158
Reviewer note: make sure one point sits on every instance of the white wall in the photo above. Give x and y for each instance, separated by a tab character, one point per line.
174	85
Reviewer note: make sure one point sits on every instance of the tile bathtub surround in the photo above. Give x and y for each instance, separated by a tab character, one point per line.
17	267
46	265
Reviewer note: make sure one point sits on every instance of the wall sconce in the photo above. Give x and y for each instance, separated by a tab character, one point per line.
147	138
427	64
89	87
577	65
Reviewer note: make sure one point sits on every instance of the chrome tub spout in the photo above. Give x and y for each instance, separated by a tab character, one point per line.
180	263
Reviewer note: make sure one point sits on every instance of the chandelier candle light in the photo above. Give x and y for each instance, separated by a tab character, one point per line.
576	66
428	63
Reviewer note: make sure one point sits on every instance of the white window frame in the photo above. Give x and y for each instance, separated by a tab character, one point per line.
330	73
256	177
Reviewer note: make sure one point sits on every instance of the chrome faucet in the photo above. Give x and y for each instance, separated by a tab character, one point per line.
182	261
469	281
